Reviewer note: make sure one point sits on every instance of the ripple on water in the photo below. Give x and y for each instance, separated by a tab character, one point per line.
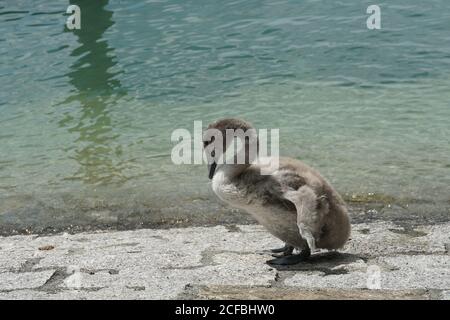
95	108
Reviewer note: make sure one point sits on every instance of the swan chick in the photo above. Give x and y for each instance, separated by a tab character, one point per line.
292	201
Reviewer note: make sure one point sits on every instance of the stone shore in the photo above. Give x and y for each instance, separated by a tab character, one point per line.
381	261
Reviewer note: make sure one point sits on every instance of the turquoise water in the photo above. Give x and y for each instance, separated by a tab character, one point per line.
86	115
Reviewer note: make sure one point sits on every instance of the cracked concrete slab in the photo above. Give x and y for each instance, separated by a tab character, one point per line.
445	295
385	238
417	272
381	261
24	280
239	292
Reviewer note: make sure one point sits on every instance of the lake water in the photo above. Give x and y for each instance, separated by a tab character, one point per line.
86	116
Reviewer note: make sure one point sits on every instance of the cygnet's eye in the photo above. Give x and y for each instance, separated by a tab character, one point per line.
207	143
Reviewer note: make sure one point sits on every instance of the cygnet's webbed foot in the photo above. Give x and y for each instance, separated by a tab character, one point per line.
291	259
283	251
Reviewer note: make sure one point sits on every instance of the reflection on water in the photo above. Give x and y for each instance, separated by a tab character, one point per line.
89	113
96	90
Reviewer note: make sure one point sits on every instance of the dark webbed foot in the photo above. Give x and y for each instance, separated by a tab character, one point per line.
283	251
291	259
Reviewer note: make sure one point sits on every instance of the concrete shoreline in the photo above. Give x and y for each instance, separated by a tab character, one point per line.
381	261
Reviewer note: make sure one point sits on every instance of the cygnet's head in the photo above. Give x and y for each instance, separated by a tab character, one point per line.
220	135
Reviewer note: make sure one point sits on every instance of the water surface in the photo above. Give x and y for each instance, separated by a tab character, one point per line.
86	115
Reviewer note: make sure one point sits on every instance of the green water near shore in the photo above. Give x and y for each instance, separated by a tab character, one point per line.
86	116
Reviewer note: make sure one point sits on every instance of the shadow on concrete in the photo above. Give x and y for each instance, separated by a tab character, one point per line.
326	262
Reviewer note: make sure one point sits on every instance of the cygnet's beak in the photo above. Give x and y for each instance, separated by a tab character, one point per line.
212	169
